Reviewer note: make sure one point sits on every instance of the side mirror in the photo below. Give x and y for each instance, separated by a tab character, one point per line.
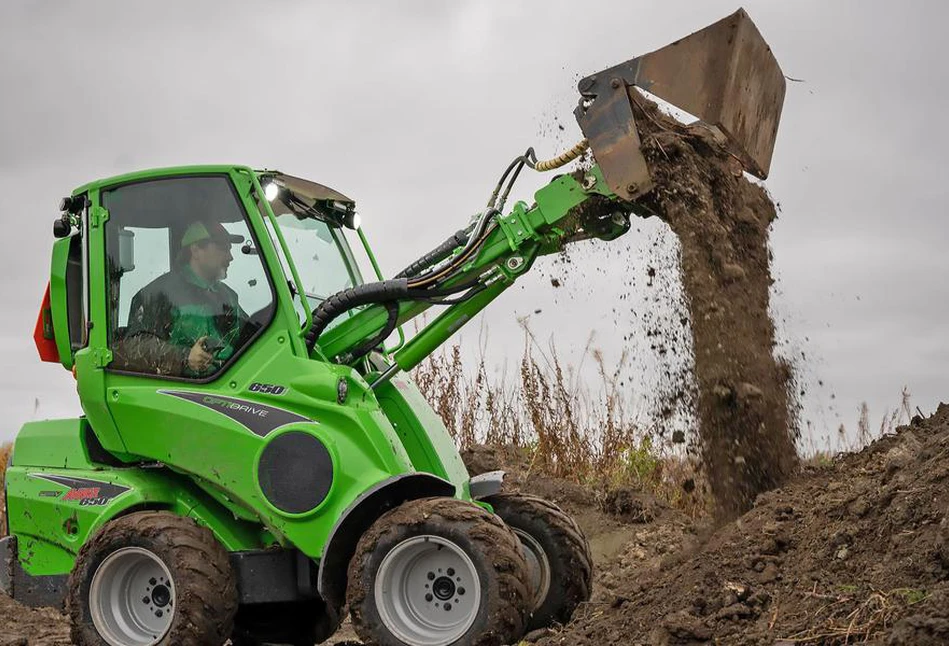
61	227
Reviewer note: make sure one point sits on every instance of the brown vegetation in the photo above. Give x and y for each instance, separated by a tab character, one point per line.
580	433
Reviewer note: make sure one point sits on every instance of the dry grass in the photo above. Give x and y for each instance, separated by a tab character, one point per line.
848	619
581	432
824	448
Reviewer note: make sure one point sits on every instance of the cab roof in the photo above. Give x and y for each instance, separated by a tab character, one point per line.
302	187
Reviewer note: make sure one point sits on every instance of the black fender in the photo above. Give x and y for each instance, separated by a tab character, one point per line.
357	518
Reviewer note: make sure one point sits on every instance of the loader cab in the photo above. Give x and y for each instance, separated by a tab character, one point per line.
147	216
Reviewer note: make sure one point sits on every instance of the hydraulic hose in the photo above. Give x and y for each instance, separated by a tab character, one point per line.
563	159
437	254
386	293
341	302
434	279
529	159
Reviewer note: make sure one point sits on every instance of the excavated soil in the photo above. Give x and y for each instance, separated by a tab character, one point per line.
21	626
851	552
722	221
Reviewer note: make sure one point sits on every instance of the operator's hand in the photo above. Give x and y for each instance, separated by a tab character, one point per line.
199	359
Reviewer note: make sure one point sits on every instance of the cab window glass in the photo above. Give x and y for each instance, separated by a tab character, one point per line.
187	293
75	294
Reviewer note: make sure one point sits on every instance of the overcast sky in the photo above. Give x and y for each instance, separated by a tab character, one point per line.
414	108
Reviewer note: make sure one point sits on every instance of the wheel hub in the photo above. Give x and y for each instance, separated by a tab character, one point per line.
161	596
132	598
444	588
427	591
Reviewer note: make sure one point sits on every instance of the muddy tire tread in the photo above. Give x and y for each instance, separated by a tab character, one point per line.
205	587
490	535
571	574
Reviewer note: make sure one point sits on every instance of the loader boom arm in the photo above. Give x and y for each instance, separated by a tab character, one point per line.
725	74
569	208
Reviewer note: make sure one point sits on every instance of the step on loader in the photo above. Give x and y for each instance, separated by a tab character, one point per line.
253	459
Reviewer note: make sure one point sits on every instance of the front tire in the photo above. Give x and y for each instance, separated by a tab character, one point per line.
558	556
151	579
436	572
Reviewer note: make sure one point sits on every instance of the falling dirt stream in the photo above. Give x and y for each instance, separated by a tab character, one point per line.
722	221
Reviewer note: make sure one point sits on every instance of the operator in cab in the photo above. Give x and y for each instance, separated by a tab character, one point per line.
187	322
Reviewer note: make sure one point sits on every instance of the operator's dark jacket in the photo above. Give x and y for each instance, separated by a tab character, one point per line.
169	315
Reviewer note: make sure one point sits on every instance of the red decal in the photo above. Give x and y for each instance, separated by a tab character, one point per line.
82	494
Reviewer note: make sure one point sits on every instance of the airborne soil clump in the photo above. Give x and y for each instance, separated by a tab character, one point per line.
722	221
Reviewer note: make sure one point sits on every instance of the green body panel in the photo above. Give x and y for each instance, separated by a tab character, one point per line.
52	443
58	300
52	520
196	445
421	430
223	454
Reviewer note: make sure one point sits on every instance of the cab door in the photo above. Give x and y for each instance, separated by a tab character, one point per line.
92	354
185	278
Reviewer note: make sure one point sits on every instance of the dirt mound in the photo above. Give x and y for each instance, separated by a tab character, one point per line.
722	221
853	551
20	626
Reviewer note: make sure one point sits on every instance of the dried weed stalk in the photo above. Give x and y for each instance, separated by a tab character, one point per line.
585	433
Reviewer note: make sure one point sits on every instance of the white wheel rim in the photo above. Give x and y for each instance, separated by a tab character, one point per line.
538	566
427	591
132	598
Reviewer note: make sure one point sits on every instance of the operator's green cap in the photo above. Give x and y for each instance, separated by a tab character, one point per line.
198	231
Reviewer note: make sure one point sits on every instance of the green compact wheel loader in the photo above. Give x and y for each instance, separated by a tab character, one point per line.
253	461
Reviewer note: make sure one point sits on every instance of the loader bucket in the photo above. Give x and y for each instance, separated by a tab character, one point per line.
724	74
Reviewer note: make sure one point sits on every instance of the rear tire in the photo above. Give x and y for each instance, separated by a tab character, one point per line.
435	572
151	579
557	552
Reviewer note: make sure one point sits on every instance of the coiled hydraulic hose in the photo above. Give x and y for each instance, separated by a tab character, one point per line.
367	294
529	159
387	293
563	159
